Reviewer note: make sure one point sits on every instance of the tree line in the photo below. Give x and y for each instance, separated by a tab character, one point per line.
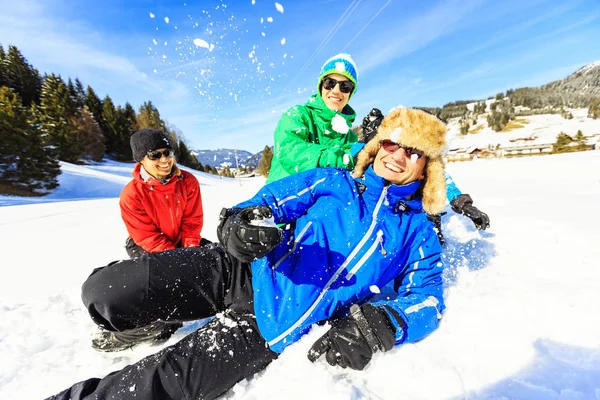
44	119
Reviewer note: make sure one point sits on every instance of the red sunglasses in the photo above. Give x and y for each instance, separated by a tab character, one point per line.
392	147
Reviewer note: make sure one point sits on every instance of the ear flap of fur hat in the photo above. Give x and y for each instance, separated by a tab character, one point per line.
420	130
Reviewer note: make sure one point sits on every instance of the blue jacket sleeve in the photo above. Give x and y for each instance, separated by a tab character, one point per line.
417	310
452	191
290	197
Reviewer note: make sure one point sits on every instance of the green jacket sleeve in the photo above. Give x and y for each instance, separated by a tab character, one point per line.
298	147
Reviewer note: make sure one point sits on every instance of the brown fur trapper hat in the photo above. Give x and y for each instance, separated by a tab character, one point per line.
420	130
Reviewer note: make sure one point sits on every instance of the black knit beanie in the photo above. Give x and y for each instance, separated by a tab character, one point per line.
146	140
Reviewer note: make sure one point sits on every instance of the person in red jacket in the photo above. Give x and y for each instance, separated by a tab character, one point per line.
162	210
162	205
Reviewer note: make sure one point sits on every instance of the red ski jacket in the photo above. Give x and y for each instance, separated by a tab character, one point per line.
162	216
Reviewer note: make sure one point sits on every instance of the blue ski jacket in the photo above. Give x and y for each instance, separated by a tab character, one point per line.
345	239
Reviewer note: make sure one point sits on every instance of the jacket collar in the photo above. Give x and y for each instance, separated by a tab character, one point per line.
140	173
316	103
396	194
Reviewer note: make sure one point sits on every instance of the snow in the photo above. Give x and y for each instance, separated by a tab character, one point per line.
521	320
339	124
588	67
544	128
203	43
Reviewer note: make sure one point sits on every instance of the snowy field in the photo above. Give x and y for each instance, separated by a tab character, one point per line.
541	128
522	319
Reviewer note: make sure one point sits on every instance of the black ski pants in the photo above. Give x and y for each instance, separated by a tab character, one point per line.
177	285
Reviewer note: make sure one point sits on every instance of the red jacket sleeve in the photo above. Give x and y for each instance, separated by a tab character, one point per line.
140	226
193	215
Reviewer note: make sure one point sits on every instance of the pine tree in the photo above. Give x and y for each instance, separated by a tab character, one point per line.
594	109
110	129
27	161
79	94
185	157
581	141
264	165
563	143
149	117
128	126
3	78
88	138
94	105
21	76
56	112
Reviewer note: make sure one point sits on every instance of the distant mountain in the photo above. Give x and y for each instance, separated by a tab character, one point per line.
576	90
253	161
222	157
583	83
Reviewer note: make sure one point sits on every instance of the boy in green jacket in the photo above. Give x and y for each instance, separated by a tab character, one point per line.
318	134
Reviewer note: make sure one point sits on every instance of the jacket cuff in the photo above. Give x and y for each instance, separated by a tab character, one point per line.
380	322
190	242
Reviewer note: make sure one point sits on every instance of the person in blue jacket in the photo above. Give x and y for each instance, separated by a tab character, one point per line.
344	235
459	202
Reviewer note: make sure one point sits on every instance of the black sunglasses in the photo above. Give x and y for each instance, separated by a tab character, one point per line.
345	86
392	147
157	155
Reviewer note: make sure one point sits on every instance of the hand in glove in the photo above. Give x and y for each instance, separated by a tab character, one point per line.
352	340
370	124
245	241
463	204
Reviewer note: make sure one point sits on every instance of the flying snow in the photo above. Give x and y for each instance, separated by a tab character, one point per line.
395	135
283	42
167	20
151	15
339	124
278	6
203	43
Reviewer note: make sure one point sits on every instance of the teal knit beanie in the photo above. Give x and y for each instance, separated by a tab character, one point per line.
341	64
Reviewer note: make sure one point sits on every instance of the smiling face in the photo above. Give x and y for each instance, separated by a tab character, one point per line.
334	99
160	168
397	168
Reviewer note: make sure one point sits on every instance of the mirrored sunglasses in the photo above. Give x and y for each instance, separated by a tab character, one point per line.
392	147
345	86
157	155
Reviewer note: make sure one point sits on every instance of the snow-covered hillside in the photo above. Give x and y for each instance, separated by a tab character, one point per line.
522	298
541	128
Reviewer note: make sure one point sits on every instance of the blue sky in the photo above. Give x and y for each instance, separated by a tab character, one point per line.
262	59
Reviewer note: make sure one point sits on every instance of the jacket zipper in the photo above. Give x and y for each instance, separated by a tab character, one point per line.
286	255
337	274
365	257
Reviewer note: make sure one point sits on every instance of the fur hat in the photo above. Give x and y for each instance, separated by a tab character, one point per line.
422	131
146	140
341	64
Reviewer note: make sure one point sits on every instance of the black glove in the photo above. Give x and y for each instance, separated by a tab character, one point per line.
370	124
245	241
352	340
463	204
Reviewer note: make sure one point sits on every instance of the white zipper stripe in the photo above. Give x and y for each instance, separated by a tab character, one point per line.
416	266
286	255
304	316
365	257
300	193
